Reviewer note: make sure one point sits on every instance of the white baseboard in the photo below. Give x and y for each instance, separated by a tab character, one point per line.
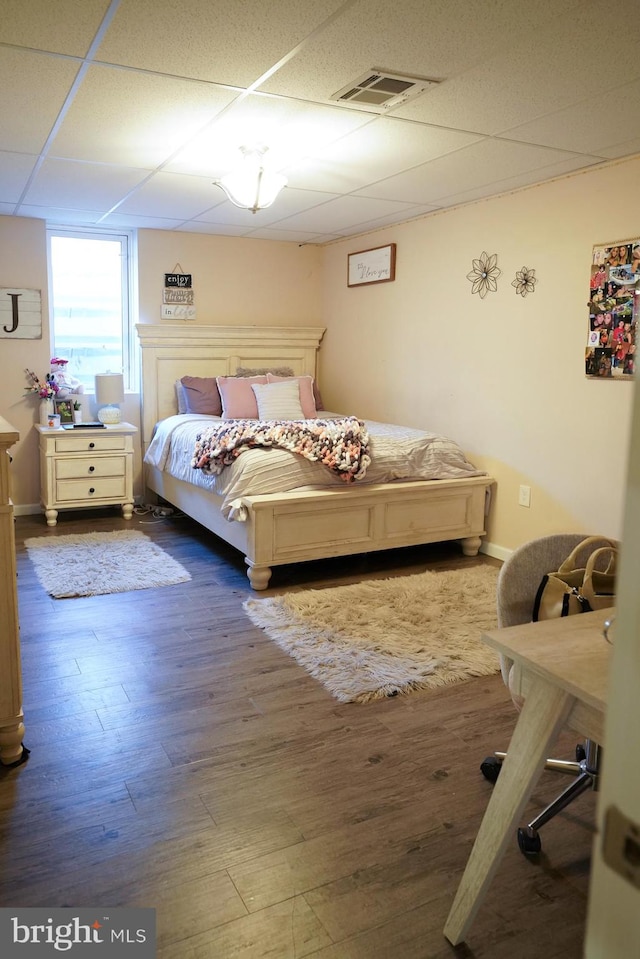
495	551
26	509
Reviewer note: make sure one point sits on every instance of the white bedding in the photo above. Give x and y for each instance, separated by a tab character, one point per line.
397	453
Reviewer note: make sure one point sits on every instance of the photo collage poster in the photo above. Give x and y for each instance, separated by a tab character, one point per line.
614	306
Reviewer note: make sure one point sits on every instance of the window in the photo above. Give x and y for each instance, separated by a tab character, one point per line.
90	303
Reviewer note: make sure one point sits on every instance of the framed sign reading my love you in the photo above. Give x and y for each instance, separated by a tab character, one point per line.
372	266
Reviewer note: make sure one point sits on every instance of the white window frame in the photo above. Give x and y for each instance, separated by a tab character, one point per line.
130	351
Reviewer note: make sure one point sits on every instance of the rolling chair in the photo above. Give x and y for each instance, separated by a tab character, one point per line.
518	583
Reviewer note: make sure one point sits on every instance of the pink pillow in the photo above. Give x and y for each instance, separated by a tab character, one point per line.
201	395
238	399
305	385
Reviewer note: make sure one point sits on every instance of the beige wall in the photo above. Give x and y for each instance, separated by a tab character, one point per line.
236	281
504	375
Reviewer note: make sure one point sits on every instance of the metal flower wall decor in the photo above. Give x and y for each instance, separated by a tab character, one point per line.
484	275
525	281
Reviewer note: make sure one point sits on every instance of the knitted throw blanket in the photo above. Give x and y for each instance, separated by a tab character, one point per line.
342	445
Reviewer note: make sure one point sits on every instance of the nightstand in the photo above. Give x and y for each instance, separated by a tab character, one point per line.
86	467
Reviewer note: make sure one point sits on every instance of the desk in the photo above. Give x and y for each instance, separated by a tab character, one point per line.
565	665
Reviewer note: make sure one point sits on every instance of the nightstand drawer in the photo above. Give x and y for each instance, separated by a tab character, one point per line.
112	487
85	444
90	466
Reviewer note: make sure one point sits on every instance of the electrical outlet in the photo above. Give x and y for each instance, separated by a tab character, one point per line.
524	496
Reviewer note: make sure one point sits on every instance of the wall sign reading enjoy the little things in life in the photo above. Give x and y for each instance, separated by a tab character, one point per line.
177	296
372	266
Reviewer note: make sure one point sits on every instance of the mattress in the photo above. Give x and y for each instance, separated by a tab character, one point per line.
397	453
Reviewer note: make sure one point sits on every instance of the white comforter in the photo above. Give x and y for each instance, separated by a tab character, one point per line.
397	453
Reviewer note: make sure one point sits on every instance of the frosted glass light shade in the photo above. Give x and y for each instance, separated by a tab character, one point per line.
109	388
252	187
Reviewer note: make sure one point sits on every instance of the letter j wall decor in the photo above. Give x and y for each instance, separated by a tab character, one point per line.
20	314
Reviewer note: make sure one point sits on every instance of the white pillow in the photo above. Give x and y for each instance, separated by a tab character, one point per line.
278	401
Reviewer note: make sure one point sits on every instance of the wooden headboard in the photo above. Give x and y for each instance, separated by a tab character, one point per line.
172	351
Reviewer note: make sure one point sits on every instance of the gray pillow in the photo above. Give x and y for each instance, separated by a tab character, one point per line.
263	370
201	395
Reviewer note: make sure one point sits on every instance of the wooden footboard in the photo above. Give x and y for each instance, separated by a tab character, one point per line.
298	526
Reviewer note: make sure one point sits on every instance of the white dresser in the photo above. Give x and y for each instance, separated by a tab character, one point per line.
87	467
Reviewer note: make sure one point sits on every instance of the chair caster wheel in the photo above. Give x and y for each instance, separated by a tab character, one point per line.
580	753
490	768
529	841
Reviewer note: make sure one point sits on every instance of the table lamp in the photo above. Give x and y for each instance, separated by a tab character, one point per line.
109	388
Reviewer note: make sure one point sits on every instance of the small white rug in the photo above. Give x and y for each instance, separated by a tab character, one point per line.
384	637
93	564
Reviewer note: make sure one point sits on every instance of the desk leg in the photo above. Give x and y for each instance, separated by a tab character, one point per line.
544	713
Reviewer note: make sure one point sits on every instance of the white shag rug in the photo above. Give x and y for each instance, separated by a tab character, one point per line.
384	637
93	564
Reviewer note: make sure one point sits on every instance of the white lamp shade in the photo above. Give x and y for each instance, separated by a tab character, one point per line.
109	389
252	187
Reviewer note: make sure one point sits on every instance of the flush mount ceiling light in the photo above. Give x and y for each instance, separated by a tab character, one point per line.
252	187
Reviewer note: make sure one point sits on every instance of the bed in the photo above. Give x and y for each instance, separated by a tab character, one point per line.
295	525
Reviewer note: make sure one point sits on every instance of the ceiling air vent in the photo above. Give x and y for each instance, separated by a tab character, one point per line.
382	89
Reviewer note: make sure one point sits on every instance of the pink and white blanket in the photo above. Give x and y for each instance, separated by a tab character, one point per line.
340	444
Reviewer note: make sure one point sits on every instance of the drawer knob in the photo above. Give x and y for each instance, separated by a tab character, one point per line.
91	445
91	489
91	469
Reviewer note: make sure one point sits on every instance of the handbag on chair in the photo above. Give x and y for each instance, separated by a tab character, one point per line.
571	589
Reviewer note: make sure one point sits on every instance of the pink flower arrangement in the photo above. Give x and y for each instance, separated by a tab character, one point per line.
45	389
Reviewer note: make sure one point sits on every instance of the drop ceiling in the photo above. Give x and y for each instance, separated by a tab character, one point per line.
121	114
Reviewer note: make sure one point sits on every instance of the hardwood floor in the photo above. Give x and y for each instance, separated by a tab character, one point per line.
181	760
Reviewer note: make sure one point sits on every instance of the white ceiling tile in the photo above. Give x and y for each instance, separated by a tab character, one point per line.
574	128
626	148
59	216
285	236
224	42
382	148
482	163
288	203
15	170
346	211
28	79
130	222
210	229
172	195
66	26
136	119
521	180
539	72
72	185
